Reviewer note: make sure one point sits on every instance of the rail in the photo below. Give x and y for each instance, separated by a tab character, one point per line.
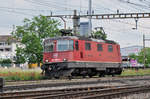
9	95
85	93
59	83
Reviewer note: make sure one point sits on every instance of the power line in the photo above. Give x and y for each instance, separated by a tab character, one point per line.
134	4
109	16
12	11
28	10
128	23
59	5
23	9
45	4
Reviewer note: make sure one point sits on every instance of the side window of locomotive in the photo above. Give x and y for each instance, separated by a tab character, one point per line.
99	47
76	45
110	48
87	46
64	45
70	45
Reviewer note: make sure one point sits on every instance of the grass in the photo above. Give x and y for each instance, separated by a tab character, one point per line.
133	72
17	74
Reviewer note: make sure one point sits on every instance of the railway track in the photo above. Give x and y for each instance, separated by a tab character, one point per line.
82	93
73	80
71	83
118	92
9	95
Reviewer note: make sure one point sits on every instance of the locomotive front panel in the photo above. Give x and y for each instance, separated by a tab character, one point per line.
58	50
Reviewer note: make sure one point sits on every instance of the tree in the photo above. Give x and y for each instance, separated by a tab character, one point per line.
20	57
147	56
133	56
100	34
31	35
140	56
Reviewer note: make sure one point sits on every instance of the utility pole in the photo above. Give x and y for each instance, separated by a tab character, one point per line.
144	49
90	13
13	30
65	26
76	23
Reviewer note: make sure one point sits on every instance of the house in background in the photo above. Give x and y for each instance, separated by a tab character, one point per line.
7	47
126	51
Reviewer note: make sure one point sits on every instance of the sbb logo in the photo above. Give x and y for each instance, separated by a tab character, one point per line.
55	55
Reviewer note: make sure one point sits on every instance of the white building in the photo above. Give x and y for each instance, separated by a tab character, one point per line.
126	51
7	47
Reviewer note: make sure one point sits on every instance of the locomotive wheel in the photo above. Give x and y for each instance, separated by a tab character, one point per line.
102	74
84	75
56	77
47	73
113	75
90	76
70	77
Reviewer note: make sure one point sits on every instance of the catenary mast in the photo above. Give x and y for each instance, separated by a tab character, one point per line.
90	13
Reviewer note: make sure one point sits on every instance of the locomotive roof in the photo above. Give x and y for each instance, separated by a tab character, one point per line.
82	38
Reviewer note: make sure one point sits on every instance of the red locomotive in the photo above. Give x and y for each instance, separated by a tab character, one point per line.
80	56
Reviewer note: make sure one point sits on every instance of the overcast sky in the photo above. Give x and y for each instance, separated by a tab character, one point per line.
12	12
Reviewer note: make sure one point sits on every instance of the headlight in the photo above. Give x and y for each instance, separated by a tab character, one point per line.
46	60
64	59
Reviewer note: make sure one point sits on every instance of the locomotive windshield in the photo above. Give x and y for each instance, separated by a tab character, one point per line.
48	46
64	45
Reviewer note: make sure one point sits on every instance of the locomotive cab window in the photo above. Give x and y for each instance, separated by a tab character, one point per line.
110	48
87	46
77	45
48	46
99	47
64	45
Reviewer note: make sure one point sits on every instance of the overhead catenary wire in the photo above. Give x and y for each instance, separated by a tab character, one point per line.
12	11
41	10
134	5
23	9
46	4
56	4
128	23
59	5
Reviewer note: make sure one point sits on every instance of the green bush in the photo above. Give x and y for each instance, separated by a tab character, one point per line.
5	62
